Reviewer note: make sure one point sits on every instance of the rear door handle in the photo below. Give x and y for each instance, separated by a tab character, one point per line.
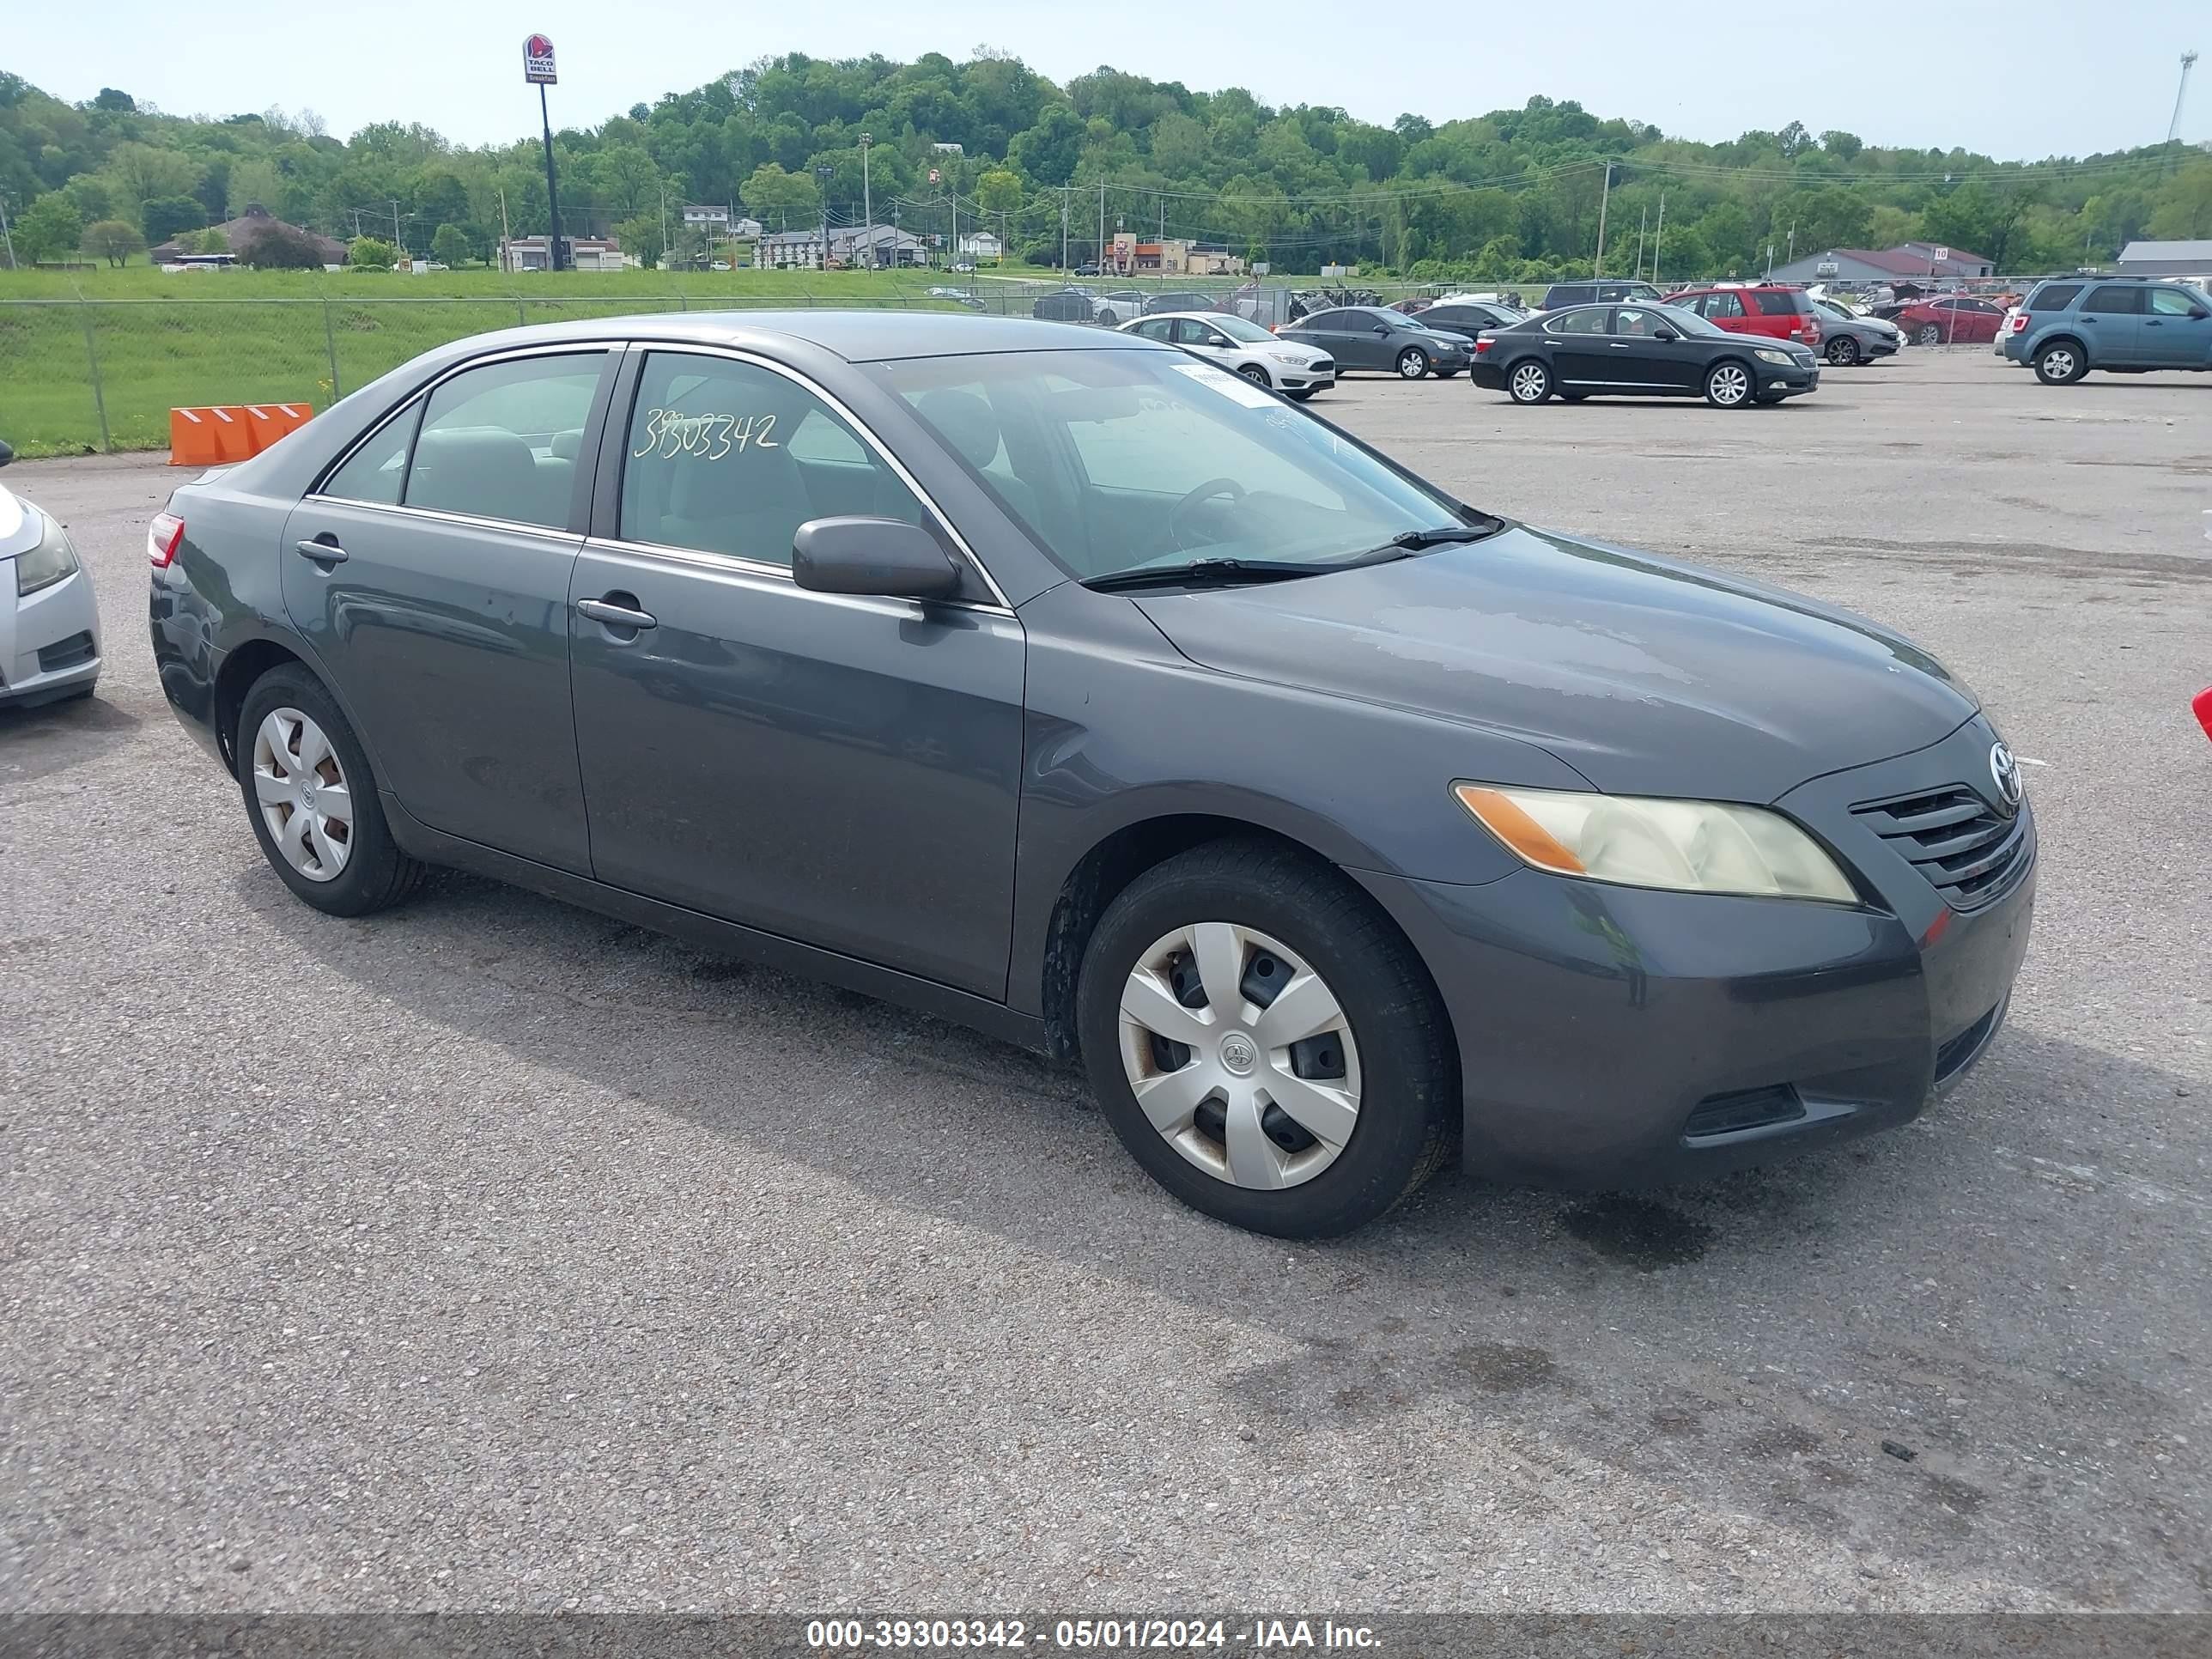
1620	345
616	615
322	552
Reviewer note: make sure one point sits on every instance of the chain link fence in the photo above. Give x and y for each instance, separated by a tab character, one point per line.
83	375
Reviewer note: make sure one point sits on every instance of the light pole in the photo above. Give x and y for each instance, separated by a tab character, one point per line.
821	176
867	202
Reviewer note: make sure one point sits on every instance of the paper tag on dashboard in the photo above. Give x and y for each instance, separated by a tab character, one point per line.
1228	384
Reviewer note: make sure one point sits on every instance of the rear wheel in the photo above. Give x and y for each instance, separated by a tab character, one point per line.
1413	363
1573	397
1928	334
1529	382
2060	363
1842	351
312	800
1264	1044
1727	385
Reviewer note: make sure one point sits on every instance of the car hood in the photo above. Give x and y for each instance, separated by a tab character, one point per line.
19	528
1646	675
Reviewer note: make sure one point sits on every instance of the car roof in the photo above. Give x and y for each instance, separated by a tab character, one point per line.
858	336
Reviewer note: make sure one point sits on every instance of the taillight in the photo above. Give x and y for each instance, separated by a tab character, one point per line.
163	536
2203	705
1482	343
2019	322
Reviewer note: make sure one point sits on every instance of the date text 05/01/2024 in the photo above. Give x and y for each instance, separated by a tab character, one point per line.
1088	1635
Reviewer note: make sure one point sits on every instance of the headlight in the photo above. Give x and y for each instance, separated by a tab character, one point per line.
1290	357
47	563
1767	356
1688	846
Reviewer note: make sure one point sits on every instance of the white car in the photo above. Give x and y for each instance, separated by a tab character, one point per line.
1243	348
49	619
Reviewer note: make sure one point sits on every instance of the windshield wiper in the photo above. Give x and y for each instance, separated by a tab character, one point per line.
1208	573
1414	540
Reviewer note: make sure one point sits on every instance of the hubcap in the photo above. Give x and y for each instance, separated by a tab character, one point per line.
1528	384
1410	365
1240	1055
1729	385
2060	364
301	789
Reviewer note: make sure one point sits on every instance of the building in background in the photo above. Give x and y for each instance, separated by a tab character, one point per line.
577	253
1171	257
849	244
981	245
239	233
1862	267
2167	259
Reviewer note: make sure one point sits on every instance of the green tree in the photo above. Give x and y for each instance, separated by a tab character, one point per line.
113	99
1048	152
143	174
112	241
449	246
371	253
640	237
776	196
209	241
163	217
50	228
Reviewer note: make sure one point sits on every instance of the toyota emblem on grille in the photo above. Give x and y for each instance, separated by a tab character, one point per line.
2005	771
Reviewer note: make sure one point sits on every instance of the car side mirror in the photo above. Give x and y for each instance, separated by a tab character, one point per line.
1664	332
1382	328
6	454
887	557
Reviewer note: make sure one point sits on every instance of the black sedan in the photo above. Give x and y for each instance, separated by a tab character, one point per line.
1064	683
1375	336
1639	351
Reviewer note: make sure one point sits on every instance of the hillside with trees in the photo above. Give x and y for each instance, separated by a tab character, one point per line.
1510	195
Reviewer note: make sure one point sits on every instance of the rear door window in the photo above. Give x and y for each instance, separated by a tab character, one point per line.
1777	302
377	472
1588	320
501	441
2053	296
1721	305
2114	299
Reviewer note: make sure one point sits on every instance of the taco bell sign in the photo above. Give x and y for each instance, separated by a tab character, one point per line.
538	61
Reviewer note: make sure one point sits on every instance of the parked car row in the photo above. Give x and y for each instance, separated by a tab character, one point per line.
1642	350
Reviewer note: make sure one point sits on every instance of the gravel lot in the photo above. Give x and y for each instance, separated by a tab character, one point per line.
491	1254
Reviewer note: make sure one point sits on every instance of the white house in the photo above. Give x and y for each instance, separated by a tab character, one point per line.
979	244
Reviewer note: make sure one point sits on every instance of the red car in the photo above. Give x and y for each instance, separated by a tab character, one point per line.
1775	309
2202	706
1950	317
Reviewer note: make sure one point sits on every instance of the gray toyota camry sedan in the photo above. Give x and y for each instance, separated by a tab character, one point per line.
1056	681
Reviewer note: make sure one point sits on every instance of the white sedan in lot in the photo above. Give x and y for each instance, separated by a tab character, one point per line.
49	619
1243	348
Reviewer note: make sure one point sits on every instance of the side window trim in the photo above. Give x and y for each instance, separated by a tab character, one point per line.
615	449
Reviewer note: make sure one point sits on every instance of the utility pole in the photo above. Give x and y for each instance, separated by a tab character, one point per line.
1640	218
1063	230
6	235
506	262
664	221
867	202
1597	267
821	180
397	242
1658	231
1100	260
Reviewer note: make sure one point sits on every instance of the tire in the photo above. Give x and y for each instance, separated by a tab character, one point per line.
2060	363
1413	364
1400	1061
1842	351
1257	375
1446	373
373	873
1928	334
1729	383
1528	381
1573	397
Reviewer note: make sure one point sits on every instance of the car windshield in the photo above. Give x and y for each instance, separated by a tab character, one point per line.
1120	460
1238	328
1688	320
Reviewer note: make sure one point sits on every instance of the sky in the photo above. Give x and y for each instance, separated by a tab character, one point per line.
2022	80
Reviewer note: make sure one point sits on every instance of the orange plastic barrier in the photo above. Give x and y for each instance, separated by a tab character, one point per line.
217	436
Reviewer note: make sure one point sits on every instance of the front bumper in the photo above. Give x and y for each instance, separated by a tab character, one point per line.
1792	381
49	639
1618	1036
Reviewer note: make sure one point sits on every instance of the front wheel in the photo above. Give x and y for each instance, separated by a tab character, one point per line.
1264	1044
312	801
1256	374
2061	364
1413	363
1529	382
1728	385
1842	351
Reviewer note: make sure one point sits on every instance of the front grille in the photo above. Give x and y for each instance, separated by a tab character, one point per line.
1969	852
65	654
1322	365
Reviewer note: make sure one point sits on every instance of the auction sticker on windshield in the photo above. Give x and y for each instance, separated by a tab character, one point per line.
1228	384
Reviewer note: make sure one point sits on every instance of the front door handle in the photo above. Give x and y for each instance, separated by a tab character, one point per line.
321	551
1620	345
617	616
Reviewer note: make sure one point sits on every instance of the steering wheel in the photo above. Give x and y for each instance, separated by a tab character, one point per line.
1206	492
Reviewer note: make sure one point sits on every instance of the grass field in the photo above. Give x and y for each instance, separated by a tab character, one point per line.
245	337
